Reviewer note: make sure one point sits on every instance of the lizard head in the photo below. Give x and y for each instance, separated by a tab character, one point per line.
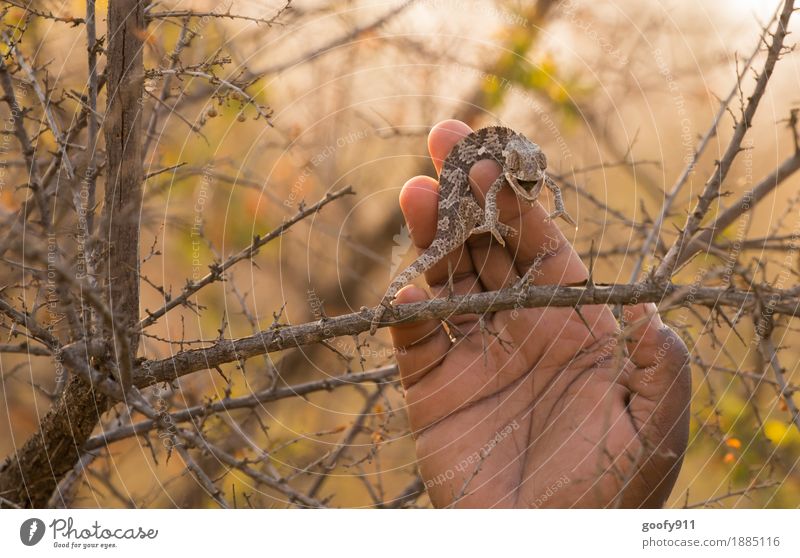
526	162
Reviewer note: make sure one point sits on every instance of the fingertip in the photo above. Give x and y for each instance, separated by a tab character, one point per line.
442	137
644	318
662	374
411	293
646	334
419	202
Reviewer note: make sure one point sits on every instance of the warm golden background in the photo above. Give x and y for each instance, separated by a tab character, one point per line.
617	93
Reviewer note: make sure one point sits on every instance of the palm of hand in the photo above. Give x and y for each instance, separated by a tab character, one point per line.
528	408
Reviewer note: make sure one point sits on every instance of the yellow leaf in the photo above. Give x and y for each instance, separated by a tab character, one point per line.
781	433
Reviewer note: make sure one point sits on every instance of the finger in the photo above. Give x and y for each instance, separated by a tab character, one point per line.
443	137
419	201
494	264
658	352
660	387
420	346
538	241
490	262
541	251
645	333
539	246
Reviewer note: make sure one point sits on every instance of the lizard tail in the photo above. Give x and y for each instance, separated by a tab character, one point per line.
429	257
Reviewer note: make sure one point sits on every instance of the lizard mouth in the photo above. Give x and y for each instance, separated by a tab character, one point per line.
529	184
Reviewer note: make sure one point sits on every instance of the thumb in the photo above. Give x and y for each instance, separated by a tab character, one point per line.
419	346
658	352
661	386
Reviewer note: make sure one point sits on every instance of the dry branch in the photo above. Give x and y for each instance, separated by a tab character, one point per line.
122	205
711	190
244	402
742	206
283	337
683	178
217	270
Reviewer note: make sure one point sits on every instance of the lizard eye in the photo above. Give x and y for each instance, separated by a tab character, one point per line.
542	160
512	160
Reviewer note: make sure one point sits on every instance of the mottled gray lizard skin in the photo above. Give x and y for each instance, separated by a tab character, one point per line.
459	216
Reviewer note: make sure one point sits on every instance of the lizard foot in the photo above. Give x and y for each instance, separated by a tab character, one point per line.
498	230
376	319
564	215
378	315
526	280
558	200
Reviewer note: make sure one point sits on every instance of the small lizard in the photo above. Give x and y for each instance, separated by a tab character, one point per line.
459	216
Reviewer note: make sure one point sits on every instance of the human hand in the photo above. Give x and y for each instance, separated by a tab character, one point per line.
528	407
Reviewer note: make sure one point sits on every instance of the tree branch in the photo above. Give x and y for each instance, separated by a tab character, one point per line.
282	337
122	204
244	402
655	231
258	242
712	187
743	205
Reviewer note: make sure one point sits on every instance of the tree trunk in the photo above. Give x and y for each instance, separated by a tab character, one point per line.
123	195
29	478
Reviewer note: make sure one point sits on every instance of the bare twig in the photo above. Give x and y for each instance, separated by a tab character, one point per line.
183	41
770	354
409	495
712	187
263	112
335	43
46	108
217	270
742	206
244	402
733	494
25	349
345	443
18	117
655	231
73	21
183	14
279	485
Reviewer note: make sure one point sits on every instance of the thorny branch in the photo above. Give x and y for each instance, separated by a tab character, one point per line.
672	195
278	338
712	188
217	270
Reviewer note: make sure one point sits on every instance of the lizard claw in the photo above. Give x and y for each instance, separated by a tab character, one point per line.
564	215
378	315
498	237
498	230
376	319
504	230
